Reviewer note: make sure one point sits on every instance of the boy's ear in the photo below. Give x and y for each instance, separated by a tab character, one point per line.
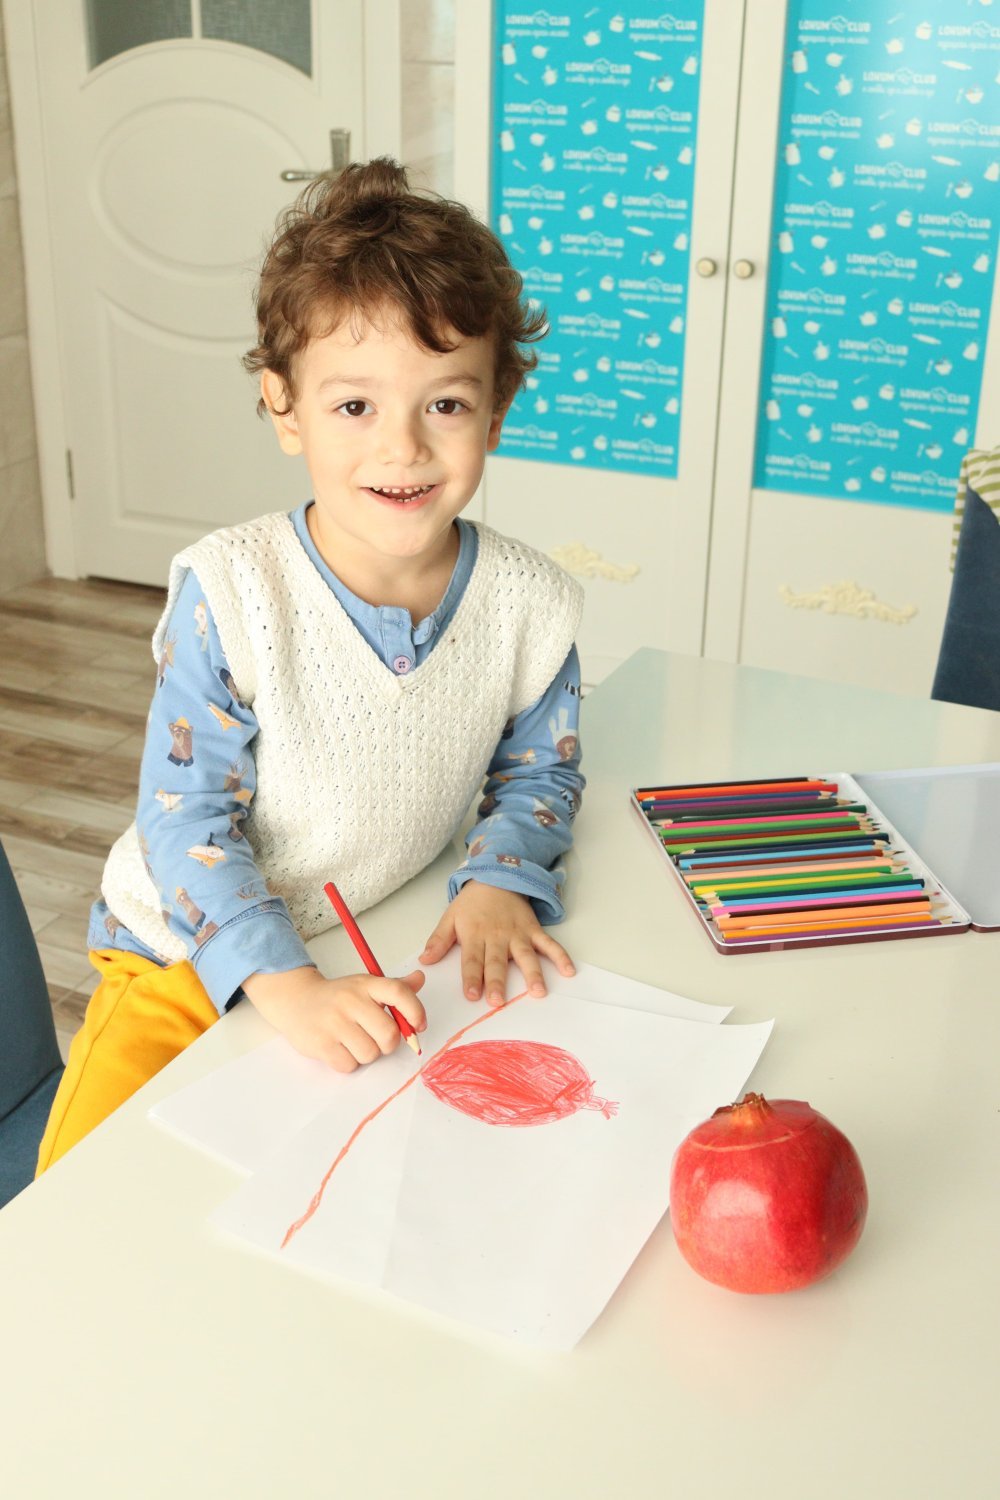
278	402
496	424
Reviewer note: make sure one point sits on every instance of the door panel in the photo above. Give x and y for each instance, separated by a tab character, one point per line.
164	184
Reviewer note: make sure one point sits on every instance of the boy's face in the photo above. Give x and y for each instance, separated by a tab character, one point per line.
395	438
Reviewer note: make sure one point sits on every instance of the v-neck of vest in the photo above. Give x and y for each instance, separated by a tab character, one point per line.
392	684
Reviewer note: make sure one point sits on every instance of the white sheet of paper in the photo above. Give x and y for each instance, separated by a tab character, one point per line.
527	1230
249	1107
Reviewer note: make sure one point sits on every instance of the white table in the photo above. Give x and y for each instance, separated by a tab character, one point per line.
142	1357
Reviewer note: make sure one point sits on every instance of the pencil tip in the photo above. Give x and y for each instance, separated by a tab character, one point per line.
412	1042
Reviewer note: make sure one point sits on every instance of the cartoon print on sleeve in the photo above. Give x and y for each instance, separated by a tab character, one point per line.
252	891
526	757
234	782
202	930
208	854
169	801
235	819
571	796
191	909
225	720
201	624
562	736
508	859
226	678
478	847
542	812
166	659
182	743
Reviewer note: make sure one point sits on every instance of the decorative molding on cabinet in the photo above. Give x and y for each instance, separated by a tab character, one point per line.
584	562
847	598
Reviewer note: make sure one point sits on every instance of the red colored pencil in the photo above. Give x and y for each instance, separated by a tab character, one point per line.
369	960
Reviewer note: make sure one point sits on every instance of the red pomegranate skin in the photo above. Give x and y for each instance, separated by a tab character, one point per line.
766	1196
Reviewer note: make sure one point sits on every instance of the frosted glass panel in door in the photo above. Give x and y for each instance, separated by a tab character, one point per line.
279	27
115	26
884	241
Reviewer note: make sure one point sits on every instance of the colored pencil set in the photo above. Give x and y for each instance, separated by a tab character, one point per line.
793	860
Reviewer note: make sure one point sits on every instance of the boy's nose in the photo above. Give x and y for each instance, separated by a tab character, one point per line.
402	440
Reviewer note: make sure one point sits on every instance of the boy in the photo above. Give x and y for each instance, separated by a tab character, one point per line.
333	685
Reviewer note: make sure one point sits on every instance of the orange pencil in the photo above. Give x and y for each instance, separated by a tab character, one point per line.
369	960
808	929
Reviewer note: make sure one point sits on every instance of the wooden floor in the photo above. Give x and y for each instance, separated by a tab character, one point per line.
76	679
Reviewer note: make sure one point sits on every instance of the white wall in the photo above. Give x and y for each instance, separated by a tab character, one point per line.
22	543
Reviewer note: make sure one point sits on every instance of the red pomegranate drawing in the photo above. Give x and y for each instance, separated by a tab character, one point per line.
513	1083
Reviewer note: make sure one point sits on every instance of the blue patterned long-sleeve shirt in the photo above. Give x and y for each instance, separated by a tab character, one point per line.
189	807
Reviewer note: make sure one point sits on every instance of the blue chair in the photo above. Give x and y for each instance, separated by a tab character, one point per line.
30	1064
968	667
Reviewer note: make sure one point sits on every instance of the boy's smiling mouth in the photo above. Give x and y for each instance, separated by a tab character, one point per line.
405	494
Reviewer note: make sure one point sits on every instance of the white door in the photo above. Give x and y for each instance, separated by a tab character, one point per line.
167	128
639	541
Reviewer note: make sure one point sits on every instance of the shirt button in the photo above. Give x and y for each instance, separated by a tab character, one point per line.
401	665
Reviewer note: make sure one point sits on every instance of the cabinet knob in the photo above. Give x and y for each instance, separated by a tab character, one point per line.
706	266
743	269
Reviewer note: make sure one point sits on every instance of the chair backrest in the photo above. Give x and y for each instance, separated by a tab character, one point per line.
968	667
28	1047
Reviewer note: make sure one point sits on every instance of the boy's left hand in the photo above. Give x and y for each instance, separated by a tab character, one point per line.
493	927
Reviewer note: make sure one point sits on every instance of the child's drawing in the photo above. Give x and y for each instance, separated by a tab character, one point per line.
505	1082
500	1082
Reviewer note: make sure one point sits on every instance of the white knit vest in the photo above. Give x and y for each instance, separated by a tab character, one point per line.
363	776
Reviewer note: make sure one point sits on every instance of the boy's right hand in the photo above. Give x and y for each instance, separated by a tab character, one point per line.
339	1021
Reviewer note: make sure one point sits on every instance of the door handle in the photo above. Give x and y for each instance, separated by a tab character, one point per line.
340	155
706	266
743	269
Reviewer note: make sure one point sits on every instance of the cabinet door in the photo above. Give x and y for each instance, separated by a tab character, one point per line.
610	140
860	357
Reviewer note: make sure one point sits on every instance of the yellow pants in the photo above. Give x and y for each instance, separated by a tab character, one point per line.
138	1019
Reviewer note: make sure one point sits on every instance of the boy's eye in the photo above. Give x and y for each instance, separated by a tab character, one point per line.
353	408
448	406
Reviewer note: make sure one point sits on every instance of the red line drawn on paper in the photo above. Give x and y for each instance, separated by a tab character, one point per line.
317	1197
511	1082
499	1082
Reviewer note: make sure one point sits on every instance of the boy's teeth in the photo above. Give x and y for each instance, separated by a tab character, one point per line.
407	492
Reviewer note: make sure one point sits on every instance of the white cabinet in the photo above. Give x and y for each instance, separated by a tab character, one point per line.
844	173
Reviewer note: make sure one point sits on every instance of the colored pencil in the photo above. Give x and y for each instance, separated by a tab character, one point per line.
825	914
369	960
786	822
762	841
752	857
872	865
856	905
730	788
784	802
768	934
799	899
773	885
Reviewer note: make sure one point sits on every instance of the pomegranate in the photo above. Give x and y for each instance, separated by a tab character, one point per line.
766	1196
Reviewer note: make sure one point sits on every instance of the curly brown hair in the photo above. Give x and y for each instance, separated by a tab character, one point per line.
357	243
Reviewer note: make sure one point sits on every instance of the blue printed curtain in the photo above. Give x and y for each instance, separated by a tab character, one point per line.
884	244
596	113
